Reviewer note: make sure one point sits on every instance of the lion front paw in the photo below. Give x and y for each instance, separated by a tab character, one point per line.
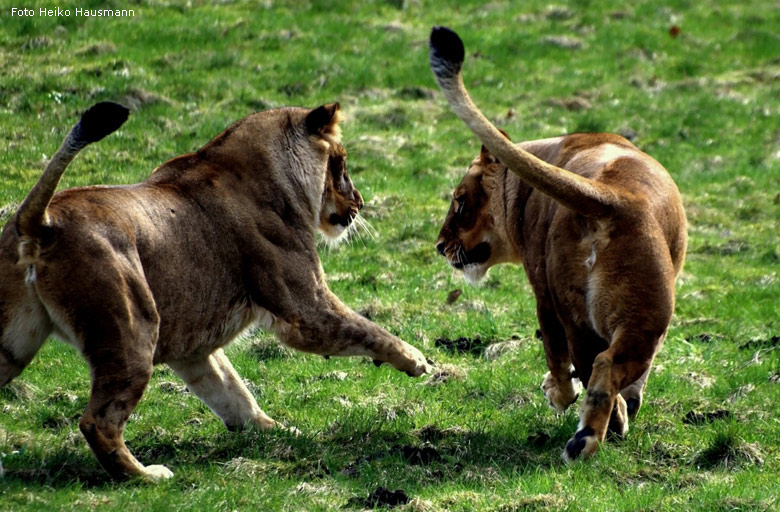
401	356
156	472
561	395
411	361
421	366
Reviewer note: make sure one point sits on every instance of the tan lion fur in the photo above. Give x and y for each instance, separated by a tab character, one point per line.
599	227
172	269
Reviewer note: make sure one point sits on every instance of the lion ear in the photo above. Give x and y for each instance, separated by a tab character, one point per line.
324	121
486	156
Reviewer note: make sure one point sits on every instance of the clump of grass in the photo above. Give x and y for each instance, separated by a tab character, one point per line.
18	390
266	347
728	450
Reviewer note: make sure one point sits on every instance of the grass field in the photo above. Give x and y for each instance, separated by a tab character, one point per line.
703	98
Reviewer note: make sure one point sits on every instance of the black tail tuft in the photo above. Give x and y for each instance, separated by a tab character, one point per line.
100	120
447	52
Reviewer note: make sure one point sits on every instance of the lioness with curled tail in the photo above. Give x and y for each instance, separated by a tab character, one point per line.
599	227
172	269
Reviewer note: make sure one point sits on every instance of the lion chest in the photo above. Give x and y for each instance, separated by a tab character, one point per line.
186	340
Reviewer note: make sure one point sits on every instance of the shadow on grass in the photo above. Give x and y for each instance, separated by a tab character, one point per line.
419	457
59	469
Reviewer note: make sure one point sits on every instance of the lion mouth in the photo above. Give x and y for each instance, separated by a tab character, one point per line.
476	256
343	220
339	220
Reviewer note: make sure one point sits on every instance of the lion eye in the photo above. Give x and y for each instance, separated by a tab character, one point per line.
337	164
460	201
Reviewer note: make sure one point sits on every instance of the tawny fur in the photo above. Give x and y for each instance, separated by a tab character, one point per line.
172	269
599	227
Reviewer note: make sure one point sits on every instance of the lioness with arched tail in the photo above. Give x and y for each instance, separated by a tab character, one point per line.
172	269
600	229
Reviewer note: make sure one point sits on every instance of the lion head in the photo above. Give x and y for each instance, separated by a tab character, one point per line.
341	201
474	236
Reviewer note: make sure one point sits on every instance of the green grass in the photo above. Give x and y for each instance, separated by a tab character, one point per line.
704	103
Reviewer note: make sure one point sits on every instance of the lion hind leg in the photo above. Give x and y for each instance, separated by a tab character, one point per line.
215	381
116	390
561	394
116	330
624	362
619	419
633	395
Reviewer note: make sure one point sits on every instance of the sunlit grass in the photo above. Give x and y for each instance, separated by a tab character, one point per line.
480	435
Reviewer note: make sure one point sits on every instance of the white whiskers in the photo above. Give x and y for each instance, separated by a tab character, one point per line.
361	225
358	229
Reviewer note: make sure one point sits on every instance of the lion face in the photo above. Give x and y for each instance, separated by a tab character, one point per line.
474	236
341	201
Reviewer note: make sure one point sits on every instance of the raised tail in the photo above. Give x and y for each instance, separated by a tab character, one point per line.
573	191
97	122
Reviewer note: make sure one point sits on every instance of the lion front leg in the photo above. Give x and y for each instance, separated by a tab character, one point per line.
214	381
560	386
399	354
336	330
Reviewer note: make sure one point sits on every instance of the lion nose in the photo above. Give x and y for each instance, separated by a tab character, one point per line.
440	248
358	199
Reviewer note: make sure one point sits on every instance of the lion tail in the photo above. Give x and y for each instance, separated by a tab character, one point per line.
573	191
98	121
